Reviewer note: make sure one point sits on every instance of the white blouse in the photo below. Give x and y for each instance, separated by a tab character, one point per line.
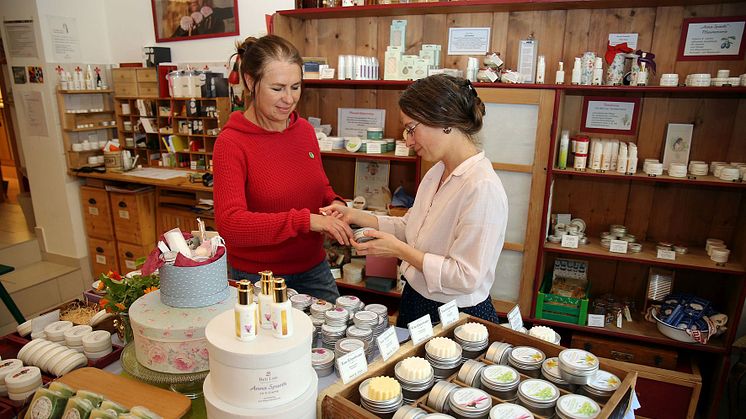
460	228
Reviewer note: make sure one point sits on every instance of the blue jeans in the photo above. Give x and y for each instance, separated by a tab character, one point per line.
317	282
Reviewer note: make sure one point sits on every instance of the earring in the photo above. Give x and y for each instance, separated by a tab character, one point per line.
447	130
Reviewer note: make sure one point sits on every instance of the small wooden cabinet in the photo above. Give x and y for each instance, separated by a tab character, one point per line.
129	253
134	217
87	120
97	213
103	254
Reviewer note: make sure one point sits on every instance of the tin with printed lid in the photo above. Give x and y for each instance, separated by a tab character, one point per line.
469	403
527	360
500	381
573	406
538	396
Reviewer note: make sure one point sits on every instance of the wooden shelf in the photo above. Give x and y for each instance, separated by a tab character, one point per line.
473	6
695	259
88	113
640	330
360	286
389	155
84	92
643	177
90	129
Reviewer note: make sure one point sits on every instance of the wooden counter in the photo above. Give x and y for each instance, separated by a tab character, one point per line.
181	183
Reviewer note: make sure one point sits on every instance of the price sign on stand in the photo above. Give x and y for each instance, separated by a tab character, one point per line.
515	319
596	320
618	246
352	365
666	254
388	343
570	241
421	329
448	313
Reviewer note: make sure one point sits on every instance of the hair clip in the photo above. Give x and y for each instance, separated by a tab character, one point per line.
471	88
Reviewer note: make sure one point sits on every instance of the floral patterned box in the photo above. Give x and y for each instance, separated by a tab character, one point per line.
170	339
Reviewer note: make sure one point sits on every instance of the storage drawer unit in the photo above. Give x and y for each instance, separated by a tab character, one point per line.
96	213
123	75
621	350
103	254
129	253
122	89
134	217
146	75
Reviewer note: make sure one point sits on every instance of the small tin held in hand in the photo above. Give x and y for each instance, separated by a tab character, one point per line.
360	236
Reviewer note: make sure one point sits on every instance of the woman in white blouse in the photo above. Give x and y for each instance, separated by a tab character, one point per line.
450	240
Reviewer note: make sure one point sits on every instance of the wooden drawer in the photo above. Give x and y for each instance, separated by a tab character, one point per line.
147	89
134	217
103	254
169	218
123	75
624	351
129	253
96	213
125	89
146	75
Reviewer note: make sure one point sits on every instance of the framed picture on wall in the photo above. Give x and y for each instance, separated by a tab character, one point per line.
180	20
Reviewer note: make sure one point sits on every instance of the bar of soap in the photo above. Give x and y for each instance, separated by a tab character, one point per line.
78	407
103	414
110	405
442	347
474	332
62	388
95	398
383	388
415	369
542	332
46	404
144	413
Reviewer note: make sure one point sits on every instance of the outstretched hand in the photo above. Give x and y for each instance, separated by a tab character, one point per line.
333	227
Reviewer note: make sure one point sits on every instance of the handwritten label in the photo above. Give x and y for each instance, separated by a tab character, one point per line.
373	148
666	254
93	210
618	246
570	241
101	259
421	329
352	365
515	319
596	320
448	313
130	264
388	343
325	145
401	150
124	214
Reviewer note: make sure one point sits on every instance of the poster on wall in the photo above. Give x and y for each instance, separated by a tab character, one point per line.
63	34
372	182
20	39
678	144
19	75
194	19
712	38
33	107
610	115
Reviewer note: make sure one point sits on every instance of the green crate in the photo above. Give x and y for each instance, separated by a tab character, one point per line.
559	308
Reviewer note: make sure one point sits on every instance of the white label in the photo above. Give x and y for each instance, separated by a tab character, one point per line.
421	329
564	219
124	214
620	38
325	145
619	321
130	264
570	241
515	318
448	313
618	246
93	210
101	259
596	320
666	254
388	343
401	150
491	75
352	365
372	148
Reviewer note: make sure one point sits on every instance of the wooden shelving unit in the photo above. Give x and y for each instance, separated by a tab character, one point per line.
708	180
85	100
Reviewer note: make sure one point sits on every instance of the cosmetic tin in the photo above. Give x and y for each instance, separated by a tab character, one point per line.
467	403
500	381
301	302
634	247
577	366
51	357
416	377
320	307
602	386
23	380
470	373
337	317
719	256
374	133
473	338
97	341
444	355
74	335
526	360
510	411
538	396
669	80
573	406
366	319
323	361
409	412
498	353
550	372
382	408
677	170
351	303
438	397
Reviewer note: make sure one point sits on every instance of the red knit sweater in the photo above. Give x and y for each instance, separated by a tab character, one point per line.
266	186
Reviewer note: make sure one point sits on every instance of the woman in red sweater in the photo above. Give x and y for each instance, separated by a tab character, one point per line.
269	181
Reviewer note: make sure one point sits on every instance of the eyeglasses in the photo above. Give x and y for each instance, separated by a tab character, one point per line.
409	129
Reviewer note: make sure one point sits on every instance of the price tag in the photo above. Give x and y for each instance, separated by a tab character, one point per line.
564	219
124	214
491	75
570	241
373	148
666	254
387	343
401	150
93	210
325	145
352	365
448	313
421	329
130	264
596	320
515	319
101	259
618	246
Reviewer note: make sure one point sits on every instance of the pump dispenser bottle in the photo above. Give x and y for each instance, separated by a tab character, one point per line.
576	71
282	314
247	315
265	299
559	77
540	70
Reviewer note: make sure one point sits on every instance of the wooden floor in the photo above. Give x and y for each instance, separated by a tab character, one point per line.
13	227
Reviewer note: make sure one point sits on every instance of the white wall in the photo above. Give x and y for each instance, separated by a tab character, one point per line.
130	24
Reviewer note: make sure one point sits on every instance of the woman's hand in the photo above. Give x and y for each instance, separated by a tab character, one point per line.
350	215
333	227
383	244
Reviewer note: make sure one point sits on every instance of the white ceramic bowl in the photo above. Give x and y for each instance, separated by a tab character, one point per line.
672	332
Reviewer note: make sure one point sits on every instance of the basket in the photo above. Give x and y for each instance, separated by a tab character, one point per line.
560	308
195	286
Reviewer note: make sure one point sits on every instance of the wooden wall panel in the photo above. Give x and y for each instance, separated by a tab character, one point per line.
576	34
463	20
737	145
499	33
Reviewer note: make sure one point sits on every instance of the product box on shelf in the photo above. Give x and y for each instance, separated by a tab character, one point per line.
343	401
571	307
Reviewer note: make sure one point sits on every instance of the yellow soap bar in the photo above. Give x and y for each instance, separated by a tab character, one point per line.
383	388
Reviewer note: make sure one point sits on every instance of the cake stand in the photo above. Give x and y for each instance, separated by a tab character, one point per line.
189	384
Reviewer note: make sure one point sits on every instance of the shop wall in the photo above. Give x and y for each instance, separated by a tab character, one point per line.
130	24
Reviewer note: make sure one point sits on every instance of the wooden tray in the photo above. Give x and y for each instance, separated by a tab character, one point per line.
340	401
129	393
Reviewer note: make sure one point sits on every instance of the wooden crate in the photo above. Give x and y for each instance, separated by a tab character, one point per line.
340	401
